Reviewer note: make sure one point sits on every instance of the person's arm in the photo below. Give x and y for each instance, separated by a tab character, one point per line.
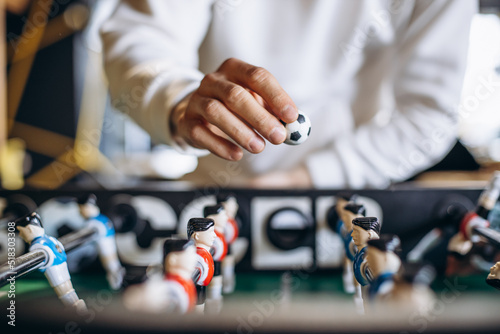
151	56
428	74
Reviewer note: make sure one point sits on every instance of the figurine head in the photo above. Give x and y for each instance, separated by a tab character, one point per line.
87	205
364	229
342	199
229	203
179	257
201	230
381	254
351	211
218	214
493	278
30	227
495	271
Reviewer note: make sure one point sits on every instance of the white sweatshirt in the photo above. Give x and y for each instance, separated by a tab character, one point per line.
379	79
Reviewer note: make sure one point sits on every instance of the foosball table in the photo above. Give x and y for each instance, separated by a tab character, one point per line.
289	256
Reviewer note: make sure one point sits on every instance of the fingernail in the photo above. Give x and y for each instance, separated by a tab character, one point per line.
236	155
256	145
289	114
277	135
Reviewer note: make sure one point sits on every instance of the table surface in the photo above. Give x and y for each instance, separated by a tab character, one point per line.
313	299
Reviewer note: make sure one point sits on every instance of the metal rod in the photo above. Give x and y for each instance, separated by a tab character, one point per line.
429	241
34	260
196	275
22	265
489	234
74	240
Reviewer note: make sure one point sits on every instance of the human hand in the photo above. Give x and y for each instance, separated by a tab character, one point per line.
238	102
17	6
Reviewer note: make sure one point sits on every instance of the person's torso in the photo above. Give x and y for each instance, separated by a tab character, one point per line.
332	57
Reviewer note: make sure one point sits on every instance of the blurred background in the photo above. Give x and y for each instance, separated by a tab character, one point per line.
57	123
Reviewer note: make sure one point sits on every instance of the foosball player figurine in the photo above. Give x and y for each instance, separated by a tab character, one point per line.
345	233
465	247
383	263
201	230
106	242
411	292
214	289
460	245
342	200
493	278
489	196
364	229
230	204
470	221
55	269
175	292
351	212
179	263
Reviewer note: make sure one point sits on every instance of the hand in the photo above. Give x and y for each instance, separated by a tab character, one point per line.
239	101
296	178
17	6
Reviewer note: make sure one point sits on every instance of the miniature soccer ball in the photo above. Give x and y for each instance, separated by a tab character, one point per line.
297	132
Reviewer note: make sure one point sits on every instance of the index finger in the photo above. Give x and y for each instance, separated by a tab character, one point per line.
264	84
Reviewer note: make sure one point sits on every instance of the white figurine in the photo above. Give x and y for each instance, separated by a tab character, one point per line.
344	231
364	230
230	204
411	293
106	242
350	212
175	292
55	269
201	230
214	289
383	263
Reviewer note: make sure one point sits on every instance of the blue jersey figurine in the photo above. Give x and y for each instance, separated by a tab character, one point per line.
339	218
55	267
360	269
363	230
106	242
383	262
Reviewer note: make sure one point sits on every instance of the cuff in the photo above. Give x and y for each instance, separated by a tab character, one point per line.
167	96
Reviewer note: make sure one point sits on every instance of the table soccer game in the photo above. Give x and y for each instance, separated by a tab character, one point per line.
180	167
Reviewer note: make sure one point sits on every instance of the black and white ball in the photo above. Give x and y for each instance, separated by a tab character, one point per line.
297	132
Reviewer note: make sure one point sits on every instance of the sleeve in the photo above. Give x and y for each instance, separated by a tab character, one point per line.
151	58
428	72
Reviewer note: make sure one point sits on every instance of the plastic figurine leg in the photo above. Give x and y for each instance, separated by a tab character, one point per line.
213	303
60	280
228	277
347	277
358	299
115	277
111	263
68	296
199	309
